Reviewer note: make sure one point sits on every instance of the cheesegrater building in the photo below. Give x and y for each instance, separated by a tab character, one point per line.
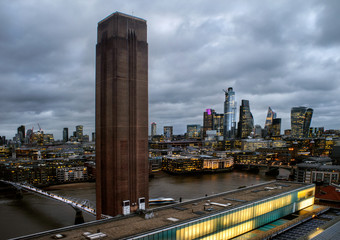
121	115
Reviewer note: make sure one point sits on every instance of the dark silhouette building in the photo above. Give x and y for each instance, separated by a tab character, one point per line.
21	132
212	121
246	123
208	121
65	134
121	115
276	127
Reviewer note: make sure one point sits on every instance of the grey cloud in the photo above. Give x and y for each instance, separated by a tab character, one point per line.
281	53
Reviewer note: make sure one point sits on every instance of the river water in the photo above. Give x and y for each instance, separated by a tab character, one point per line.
33	213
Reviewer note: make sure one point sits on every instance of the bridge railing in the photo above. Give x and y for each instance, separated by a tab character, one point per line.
82	205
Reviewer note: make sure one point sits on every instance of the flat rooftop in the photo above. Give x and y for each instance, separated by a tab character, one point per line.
123	226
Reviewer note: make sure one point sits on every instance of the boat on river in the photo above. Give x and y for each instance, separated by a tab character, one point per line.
161	201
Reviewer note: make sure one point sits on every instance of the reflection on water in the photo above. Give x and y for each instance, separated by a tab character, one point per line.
35	214
189	187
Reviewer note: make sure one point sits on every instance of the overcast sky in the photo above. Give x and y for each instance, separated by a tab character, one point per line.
273	53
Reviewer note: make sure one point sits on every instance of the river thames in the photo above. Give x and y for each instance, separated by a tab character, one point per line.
35	214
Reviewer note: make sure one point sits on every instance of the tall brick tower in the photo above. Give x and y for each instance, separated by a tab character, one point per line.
121	115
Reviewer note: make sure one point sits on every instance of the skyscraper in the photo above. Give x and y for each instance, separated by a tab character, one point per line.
21	133
246	122
121	115
65	134
301	118
218	122
212	121
153	129
229	127
258	131
269	119
168	132
208	120
276	127
79	132
268	126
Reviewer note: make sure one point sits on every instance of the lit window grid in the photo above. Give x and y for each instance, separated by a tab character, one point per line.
239	220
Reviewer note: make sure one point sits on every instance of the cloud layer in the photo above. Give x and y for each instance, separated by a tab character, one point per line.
280	54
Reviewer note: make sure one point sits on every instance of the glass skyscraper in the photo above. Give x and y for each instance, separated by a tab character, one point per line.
301	118
229	114
270	116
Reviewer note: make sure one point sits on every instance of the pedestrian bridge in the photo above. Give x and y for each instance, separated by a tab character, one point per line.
83	205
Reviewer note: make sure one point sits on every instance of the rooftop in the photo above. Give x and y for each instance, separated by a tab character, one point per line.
121	14
124	226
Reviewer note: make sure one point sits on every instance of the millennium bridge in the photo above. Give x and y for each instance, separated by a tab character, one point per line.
78	205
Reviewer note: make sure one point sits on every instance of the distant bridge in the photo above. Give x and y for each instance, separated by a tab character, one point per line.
84	205
265	165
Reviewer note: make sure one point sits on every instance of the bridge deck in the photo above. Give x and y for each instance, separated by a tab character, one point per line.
35	190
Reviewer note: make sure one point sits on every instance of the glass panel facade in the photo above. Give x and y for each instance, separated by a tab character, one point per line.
233	222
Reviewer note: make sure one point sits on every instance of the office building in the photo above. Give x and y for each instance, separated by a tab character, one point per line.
121	115
65	134
93	137
269	119
193	131
213	121
287	132
258	131
79	133
268	127
317	172
218	122
246	122
168	133
71	174
276	127
301	118
229	127
153	129
21	133
208	120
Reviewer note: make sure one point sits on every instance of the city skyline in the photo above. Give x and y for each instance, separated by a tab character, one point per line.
278	54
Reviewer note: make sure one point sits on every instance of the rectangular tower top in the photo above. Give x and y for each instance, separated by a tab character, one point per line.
123	15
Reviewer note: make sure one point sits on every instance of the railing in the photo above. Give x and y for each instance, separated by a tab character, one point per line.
84	205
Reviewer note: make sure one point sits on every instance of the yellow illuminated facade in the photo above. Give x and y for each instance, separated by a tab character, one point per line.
236	221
